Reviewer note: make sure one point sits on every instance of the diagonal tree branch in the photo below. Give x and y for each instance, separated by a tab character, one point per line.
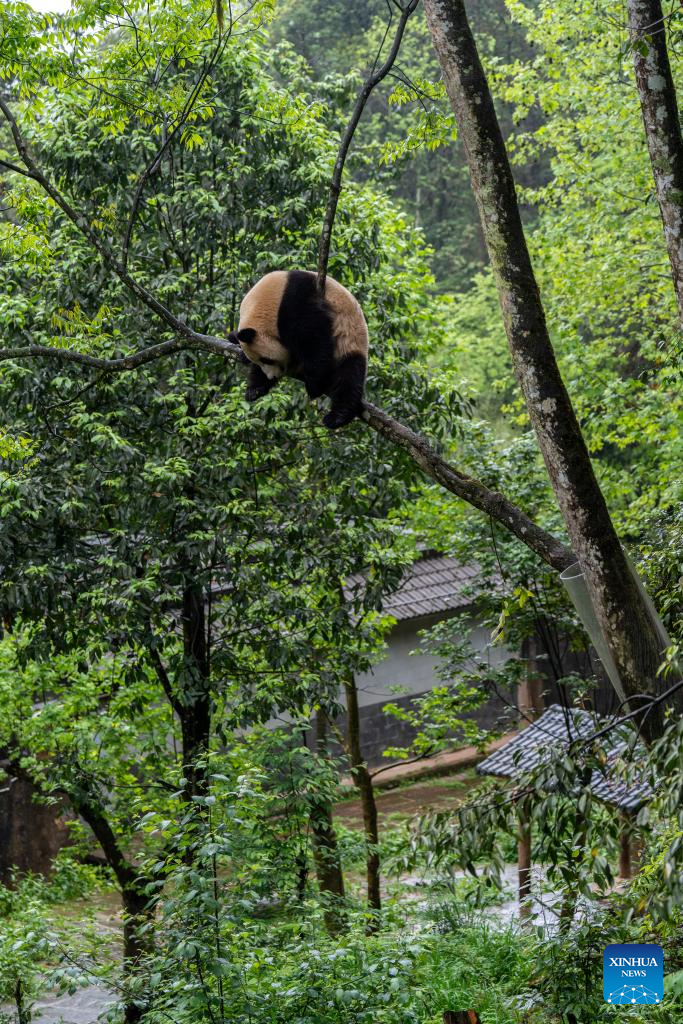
469	489
373	80
141	293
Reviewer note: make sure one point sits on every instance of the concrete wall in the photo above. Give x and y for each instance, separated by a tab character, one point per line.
413	675
417	673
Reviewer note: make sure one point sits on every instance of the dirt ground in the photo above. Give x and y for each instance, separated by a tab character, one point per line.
405	801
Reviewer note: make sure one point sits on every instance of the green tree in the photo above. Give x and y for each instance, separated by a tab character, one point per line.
178	551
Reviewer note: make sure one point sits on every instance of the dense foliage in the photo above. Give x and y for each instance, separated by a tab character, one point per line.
189	582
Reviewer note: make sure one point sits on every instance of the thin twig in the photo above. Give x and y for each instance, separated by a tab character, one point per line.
169	137
641	712
397	764
336	183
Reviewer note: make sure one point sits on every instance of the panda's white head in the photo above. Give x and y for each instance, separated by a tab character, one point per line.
265	350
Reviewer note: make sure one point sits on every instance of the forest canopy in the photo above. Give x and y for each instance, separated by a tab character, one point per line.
192	585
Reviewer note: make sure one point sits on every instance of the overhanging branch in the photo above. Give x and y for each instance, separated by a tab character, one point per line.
122	363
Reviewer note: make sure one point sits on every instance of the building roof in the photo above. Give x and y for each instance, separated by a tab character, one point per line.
433	584
556	729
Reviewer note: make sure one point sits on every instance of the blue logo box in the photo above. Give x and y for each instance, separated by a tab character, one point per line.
633	973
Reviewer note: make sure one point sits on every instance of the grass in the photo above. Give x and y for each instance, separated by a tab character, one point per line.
475	968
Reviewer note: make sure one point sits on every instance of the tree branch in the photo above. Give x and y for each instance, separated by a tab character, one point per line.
123	363
165	680
140	292
85	805
154	165
494	504
471	490
335	185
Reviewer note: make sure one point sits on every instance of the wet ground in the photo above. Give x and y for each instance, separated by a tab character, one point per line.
84	1007
406	801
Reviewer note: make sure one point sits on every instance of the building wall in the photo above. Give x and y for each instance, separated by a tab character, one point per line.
400	676
31	834
415	674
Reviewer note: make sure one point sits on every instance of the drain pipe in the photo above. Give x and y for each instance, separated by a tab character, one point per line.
574	583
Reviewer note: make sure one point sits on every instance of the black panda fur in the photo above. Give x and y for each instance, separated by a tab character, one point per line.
287	328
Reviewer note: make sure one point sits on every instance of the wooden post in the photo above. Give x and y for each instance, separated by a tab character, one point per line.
530	686
461	1017
524	865
625	868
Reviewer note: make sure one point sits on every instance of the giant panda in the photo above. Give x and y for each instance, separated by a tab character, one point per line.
287	328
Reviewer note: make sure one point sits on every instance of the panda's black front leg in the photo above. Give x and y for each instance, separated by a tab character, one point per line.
258	384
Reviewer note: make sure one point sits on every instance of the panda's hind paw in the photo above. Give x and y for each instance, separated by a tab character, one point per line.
335	418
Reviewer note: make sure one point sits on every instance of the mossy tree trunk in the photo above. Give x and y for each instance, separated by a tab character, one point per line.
659	106
620	609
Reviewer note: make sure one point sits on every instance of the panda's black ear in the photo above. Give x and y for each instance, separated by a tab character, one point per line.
246	335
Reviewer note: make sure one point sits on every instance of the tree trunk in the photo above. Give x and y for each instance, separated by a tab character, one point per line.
620	609
328	867
647	27
363	781
23	1012
137	912
138	944
625	863
524	866
195	696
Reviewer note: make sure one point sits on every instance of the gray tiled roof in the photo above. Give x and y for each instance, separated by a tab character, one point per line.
435	583
557	728
611	787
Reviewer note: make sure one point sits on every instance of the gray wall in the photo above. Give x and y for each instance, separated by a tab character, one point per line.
414	674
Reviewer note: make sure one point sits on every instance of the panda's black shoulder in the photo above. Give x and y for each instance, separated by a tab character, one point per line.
300	294
303	313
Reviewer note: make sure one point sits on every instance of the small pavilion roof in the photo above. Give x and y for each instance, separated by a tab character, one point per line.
555	730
